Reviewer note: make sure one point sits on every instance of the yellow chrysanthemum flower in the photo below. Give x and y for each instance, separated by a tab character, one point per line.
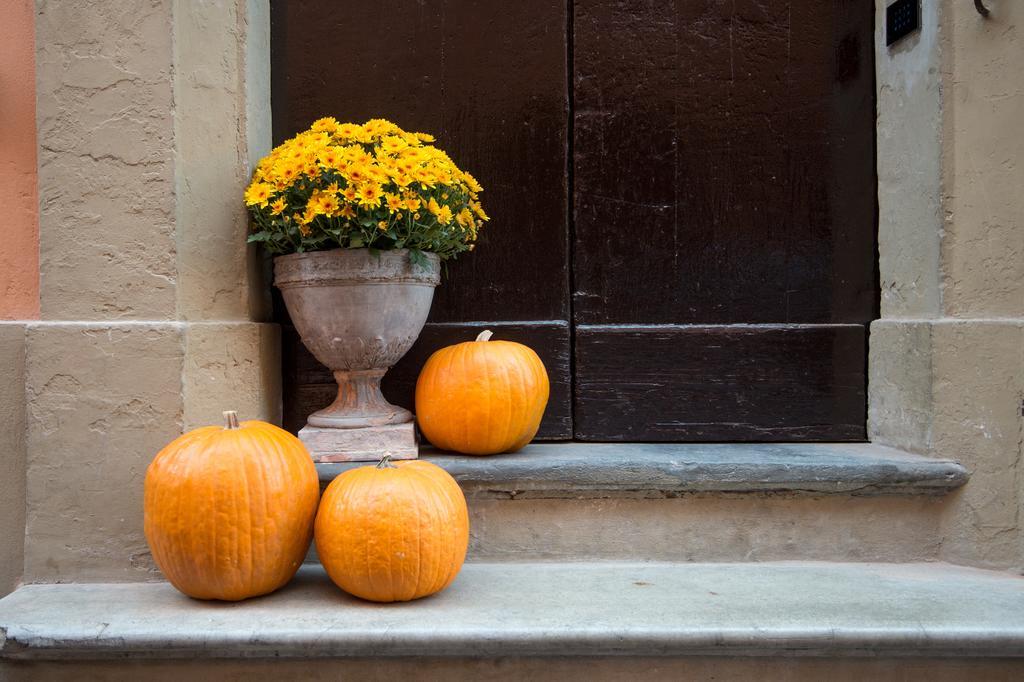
258	194
348	130
479	210
328	124
339	173
370	195
393	144
471	182
286	171
357	173
330	157
444	216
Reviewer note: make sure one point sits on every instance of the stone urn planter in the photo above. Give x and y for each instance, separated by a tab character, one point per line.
358	312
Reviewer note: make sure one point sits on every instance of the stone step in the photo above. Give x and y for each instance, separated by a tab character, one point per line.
702	502
576	470
529	610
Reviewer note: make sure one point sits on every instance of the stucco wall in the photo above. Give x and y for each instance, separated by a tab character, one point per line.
947	358
152	306
12	454
19	257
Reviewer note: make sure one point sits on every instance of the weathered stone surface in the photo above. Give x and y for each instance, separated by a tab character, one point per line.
12	454
231	366
102	401
946	359
576	469
211	136
956	386
366	444
979	412
619	502
983	161
144	152
502	610
900	408
707	527
106	173
909	150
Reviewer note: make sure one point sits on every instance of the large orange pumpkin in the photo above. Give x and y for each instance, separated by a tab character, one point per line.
482	397
229	510
393	532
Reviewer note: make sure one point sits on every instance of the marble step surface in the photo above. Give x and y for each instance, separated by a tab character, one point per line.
565	610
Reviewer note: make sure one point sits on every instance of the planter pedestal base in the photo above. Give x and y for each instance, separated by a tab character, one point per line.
366	444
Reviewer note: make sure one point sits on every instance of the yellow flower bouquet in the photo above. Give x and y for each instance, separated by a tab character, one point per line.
370	186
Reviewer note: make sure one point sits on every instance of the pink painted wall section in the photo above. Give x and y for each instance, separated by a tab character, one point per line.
19	220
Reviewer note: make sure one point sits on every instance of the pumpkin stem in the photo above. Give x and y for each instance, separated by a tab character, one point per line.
385	463
231	419
485	335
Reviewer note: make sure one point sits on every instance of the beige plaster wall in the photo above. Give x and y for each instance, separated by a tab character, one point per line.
947	365
711	527
102	400
983	161
106	160
212	164
152	304
909	101
12	454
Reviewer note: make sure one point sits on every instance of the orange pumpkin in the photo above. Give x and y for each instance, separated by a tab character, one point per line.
393	532
229	510
482	397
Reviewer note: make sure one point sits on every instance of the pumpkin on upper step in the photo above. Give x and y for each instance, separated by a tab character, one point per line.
393	532
229	510
482	397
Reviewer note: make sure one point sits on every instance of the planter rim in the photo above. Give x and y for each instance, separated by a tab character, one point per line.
340	267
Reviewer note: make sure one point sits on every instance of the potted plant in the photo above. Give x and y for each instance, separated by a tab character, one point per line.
358	218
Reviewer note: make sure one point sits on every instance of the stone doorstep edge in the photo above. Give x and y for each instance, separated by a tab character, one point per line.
665	470
904	644
478	617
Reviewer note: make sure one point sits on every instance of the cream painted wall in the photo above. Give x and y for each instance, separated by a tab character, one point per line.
153	308
947	358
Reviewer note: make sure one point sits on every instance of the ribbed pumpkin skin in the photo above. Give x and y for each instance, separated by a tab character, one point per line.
393	534
229	512
482	397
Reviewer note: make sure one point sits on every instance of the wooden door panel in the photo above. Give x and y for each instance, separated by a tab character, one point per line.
723	175
715	383
489	81
724	166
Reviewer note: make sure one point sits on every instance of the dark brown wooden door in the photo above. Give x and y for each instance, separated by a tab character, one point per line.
724	218
488	79
715	275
